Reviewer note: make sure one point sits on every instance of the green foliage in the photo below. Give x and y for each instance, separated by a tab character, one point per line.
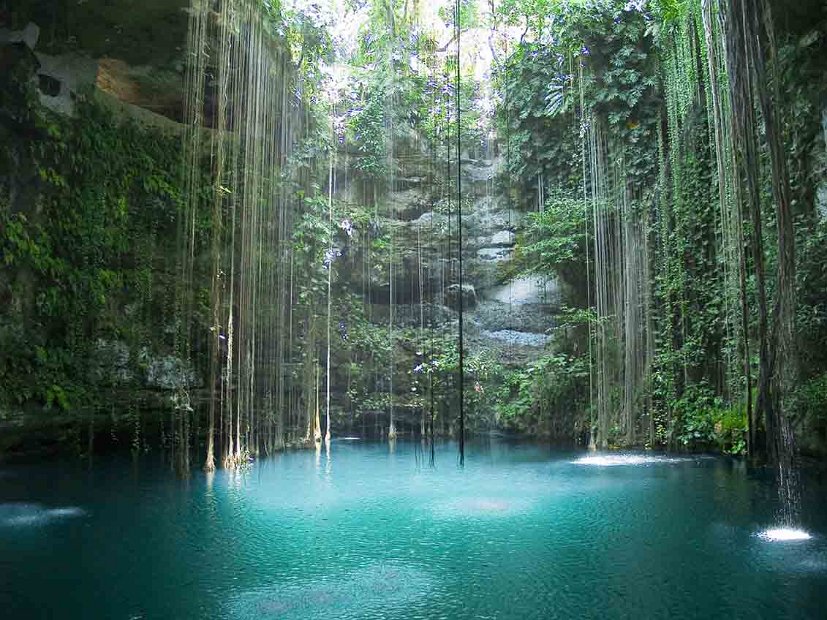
811	317
368	128
669	11
800	68
311	239
554	241
548	397
540	139
601	54
468	14
96	205
89	213
809	408
702	421
401	97
484	375
555	238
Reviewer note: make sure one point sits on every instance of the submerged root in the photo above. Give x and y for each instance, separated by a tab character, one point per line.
238	460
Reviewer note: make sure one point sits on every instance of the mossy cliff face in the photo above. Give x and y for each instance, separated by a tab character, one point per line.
89	199
149	32
136	56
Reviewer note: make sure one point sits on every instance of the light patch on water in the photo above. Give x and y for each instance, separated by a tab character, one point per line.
784	534
615	460
378	587
481	507
22	514
347	439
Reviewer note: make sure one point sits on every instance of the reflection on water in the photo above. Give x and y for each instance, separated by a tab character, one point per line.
481	507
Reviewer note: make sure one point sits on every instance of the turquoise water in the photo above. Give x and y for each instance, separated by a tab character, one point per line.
521	532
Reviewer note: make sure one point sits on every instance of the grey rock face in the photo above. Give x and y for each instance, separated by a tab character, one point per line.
481	169
70	73
496	255
512	319
497	316
503	238
414	315
469	296
29	35
526	290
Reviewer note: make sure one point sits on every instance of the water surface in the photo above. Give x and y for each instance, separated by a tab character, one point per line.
520	532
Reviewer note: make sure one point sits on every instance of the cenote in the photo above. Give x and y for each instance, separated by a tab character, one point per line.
366	532
413	309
